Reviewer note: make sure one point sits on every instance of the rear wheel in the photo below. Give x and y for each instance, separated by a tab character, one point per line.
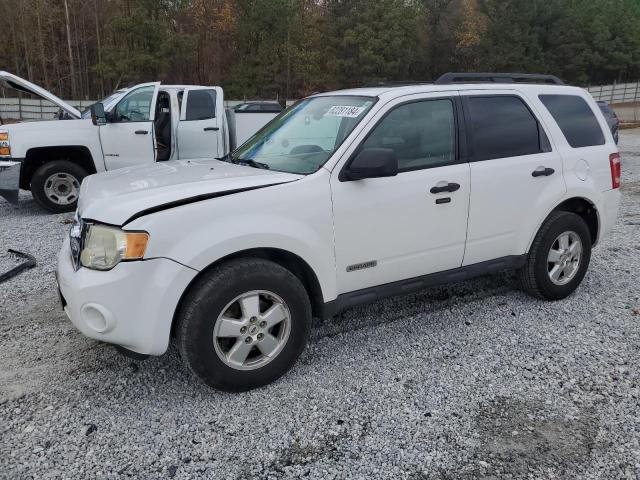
559	257
243	324
55	186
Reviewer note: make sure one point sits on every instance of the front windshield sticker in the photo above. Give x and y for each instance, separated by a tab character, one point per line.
344	111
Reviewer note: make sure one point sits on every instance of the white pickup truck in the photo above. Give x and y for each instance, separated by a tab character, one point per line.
143	124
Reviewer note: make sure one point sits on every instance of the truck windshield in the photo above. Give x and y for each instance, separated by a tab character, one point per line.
302	138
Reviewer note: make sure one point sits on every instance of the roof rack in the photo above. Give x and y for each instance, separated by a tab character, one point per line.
451	77
396	83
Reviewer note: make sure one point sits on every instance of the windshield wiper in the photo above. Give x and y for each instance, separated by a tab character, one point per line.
250	162
226	158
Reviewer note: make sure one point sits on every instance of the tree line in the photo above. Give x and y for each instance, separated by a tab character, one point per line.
84	49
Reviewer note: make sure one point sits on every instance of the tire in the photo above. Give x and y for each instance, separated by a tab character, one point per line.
536	275
55	186
208	353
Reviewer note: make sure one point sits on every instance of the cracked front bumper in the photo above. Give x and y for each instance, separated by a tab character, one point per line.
10	180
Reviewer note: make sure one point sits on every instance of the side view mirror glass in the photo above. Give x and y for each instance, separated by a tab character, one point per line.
371	163
98	116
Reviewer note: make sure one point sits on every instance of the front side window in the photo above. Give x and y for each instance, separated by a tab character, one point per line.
135	106
201	104
422	134
503	126
302	138
575	118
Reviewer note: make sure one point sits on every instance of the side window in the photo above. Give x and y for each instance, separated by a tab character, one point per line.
135	106
421	133
201	105
503	126
575	118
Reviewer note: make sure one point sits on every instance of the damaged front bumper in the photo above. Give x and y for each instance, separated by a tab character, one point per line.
10	180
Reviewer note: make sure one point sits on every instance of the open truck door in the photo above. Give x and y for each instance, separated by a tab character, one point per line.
201	120
128	136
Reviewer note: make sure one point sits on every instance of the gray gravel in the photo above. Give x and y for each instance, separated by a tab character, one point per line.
474	380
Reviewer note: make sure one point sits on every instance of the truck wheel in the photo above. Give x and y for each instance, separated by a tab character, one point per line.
55	186
559	257
244	324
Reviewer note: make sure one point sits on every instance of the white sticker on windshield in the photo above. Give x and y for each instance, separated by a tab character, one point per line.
344	111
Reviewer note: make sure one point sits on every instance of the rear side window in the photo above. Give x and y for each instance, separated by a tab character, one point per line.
575	118
201	104
503	126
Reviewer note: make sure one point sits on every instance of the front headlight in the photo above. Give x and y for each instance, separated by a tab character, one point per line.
104	247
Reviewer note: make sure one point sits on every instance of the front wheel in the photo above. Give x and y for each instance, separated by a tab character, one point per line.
559	257
55	186
243	324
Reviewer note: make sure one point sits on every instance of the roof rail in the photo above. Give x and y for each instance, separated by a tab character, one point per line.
396	83
451	77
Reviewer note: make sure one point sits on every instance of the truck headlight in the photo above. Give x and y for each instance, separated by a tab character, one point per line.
104	247
5	148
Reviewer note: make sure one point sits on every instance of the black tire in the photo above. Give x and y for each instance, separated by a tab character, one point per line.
534	276
205	301
73	172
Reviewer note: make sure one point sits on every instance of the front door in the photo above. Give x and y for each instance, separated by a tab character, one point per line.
200	123
395	228
128	138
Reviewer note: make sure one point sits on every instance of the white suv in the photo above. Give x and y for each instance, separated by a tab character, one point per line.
345	198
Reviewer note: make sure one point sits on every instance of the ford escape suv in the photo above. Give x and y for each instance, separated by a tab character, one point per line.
344	198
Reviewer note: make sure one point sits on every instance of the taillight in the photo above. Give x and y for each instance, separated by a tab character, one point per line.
614	162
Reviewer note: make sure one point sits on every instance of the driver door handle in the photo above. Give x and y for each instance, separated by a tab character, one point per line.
142	132
449	187
542	172
211	129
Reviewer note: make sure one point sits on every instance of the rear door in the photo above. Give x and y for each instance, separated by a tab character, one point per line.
199	129
516	174
128	138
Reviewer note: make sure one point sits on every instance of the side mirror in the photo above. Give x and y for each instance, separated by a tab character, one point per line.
371	163
98	117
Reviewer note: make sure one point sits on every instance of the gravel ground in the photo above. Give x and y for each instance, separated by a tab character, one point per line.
474	380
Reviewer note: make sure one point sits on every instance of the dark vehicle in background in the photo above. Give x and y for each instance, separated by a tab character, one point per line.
258	107
611	118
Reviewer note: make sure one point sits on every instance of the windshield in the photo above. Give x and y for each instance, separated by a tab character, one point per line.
302	138
106	101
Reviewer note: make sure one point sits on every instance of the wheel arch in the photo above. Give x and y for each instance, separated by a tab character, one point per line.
38	156
581	206
292	262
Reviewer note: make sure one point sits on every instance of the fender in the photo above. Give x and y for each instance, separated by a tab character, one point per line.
223	226
581	193
26	136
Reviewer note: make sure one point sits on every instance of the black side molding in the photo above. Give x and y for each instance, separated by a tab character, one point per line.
194	199
402	287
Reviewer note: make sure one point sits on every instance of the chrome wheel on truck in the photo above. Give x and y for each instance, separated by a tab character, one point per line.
62	188
55	186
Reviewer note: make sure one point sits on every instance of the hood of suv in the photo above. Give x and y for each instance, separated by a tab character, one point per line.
8	80
121	195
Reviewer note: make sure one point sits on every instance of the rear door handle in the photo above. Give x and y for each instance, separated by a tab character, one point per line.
211	129
542	172
142	132
449	187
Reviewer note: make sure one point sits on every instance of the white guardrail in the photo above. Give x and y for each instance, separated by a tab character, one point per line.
29	109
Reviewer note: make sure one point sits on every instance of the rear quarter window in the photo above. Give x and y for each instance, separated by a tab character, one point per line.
575	118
